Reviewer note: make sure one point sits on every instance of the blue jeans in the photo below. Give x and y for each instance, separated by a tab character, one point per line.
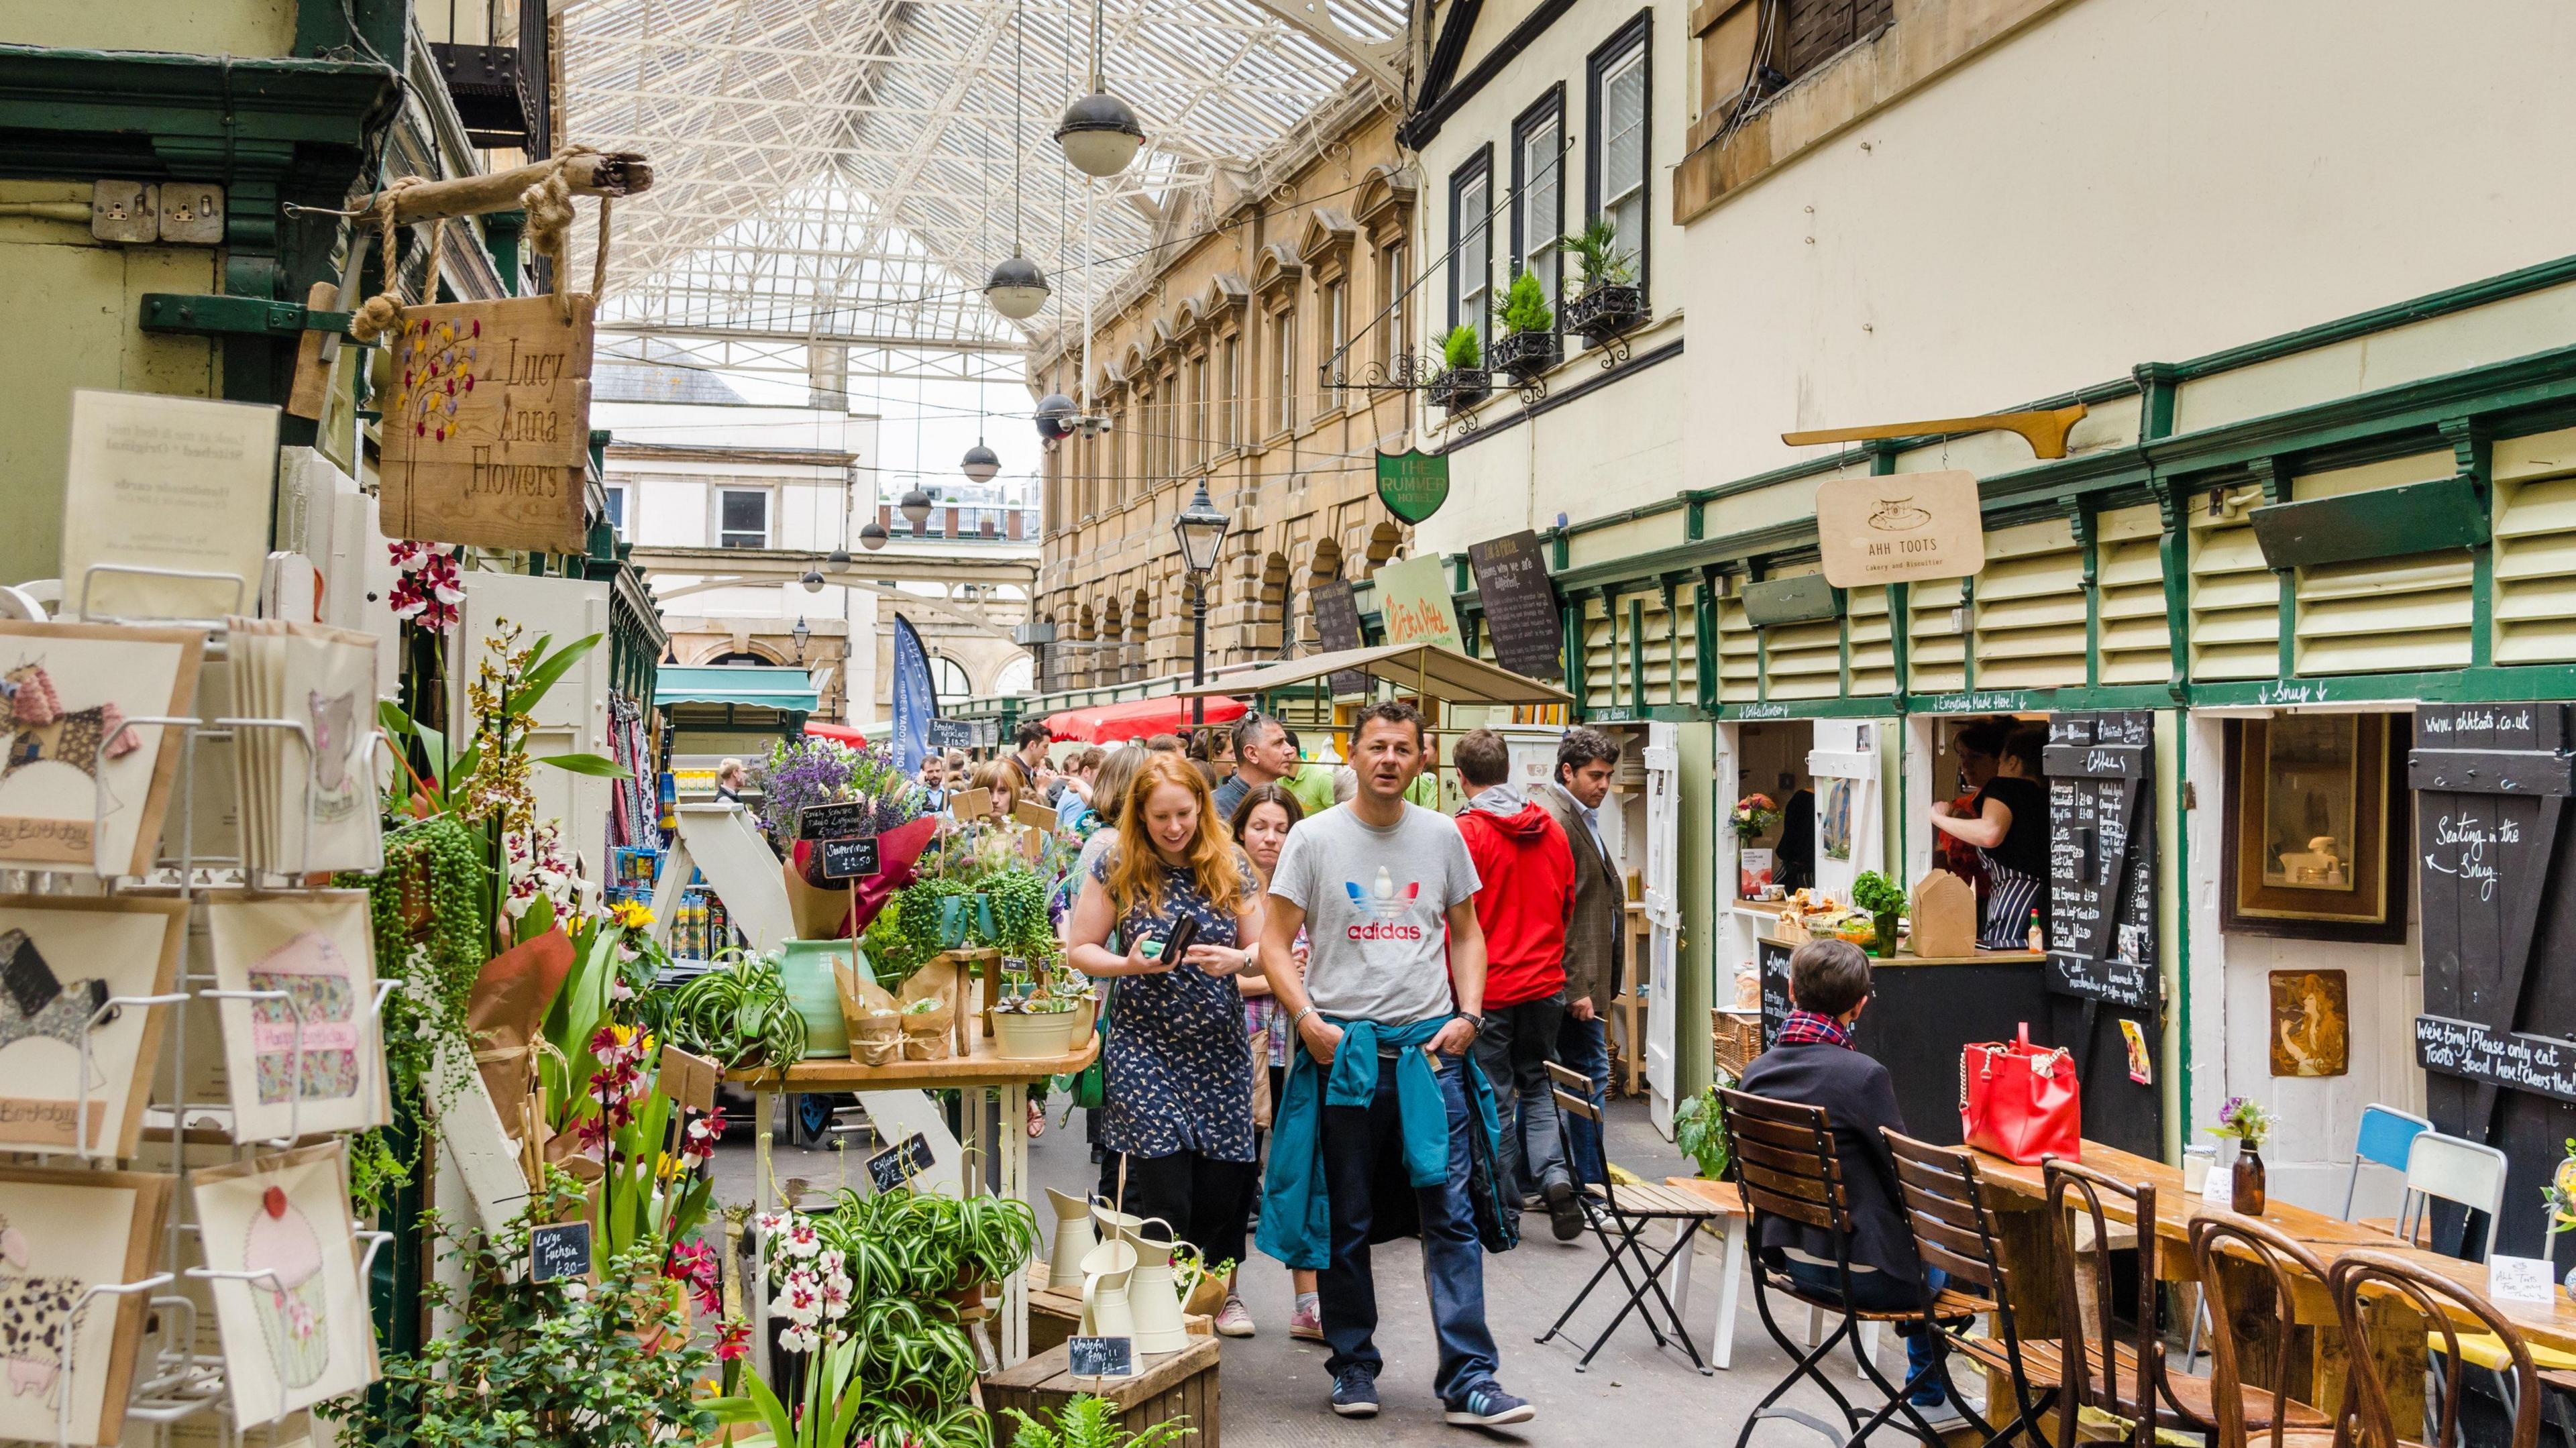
1880	1292
1356	1138
1585	1046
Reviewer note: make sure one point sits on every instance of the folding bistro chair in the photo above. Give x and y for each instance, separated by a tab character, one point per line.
2362	1282
2276	1256
1954	1230
2384	1138
2451	1169
1619	1216
2128	1379
1784	1163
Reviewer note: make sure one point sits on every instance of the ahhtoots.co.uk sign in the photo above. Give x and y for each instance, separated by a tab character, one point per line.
1899	527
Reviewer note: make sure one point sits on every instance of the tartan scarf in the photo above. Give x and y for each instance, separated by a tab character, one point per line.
1810	1028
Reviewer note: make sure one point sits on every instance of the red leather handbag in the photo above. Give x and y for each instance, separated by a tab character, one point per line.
2019	1101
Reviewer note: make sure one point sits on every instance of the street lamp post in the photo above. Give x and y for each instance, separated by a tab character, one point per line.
1201	531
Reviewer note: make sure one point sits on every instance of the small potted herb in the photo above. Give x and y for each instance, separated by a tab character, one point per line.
1884	899
2244	1122
1463	381
1610	301
1699	1129
1529	344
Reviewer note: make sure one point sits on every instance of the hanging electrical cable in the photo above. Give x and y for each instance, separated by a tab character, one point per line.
1017	289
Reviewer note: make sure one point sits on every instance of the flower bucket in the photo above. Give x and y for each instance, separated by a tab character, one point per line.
805	968
956	918
1021	1037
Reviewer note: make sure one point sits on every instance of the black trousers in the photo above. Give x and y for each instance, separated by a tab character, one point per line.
1204	1199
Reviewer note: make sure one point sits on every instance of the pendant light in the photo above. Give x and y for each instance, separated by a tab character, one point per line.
873	536
915	507
982	464
1100	132
1055	417
1017	289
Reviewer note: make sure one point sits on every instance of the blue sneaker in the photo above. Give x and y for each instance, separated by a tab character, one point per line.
1355	1394
1490	1407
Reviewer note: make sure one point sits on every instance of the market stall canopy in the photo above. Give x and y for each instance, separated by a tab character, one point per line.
1136	719
1426	669
766	686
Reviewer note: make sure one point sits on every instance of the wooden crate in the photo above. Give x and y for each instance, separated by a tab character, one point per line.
1166	1386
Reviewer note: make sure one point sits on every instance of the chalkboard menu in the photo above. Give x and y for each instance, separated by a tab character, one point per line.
2102	857
1337	623
1519	600
1771	958
2497	1036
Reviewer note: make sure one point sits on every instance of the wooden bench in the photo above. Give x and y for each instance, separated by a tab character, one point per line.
1166	1386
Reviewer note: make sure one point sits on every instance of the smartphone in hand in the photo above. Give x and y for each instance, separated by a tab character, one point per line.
1176	946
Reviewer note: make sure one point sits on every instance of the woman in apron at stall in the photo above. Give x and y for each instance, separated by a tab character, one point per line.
2008	825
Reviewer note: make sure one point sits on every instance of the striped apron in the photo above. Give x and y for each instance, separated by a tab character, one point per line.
2008	905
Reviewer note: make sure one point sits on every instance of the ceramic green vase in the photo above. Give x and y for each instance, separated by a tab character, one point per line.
806	968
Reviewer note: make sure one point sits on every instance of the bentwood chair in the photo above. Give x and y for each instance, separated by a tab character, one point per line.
2127	1379
2365	1284
2234	1249
1620	1216
1955	1230
1781	1154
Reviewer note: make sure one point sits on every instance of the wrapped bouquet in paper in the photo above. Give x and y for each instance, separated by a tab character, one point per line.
929	1012
874	1018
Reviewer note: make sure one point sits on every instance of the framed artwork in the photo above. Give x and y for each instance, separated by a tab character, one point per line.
2316	827
2311	1023
76	789
299	1332
69	1362
308	1063
1834	819
62	959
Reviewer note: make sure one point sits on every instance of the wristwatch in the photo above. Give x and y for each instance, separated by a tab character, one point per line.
1474	1023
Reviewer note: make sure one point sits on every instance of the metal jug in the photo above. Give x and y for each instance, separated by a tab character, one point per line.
1073	1238
1154	1294
1106	1273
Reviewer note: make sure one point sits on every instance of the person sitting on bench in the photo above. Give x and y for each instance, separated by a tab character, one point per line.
1812	1063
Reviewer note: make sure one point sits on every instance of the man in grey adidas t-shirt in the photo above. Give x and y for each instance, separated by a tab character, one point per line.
1387	895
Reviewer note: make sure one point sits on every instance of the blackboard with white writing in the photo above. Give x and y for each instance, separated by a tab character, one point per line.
1772	959
559	1250
1100	1357
851	858
1519	600
1337	626
952	734
2102	857
899	1163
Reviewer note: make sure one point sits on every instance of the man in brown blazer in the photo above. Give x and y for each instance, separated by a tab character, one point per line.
1596	935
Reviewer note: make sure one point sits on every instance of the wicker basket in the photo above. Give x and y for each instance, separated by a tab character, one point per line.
1737	1039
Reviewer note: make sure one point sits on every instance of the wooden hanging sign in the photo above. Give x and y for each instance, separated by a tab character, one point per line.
486	426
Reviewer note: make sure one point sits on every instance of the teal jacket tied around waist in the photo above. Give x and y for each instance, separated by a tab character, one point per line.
1296	1212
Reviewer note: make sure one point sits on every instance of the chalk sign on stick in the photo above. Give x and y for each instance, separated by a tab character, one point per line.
688	1079
899	1163
1101	1357
836	821
559	1250
851	859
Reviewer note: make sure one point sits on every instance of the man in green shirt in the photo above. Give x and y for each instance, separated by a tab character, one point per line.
1312	784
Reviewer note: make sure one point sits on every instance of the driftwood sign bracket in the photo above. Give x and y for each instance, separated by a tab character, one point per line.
2045	431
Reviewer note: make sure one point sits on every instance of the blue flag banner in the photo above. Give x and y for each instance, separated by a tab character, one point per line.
915	700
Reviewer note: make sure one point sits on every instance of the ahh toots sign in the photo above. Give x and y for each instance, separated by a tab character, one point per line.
486	424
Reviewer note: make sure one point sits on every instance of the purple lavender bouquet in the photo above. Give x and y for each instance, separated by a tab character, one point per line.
808	771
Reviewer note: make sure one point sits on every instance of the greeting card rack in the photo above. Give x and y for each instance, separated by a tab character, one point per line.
174	1379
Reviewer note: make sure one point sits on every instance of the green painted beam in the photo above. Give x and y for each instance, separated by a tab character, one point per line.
236	316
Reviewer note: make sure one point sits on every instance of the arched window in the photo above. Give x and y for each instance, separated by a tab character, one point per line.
753	660
950	678
1018	676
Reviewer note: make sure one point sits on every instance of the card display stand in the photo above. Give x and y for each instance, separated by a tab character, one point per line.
176	1377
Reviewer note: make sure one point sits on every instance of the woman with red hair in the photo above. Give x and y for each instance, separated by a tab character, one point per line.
1177	1099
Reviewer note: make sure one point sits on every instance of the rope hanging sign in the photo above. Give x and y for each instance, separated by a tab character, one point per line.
485	426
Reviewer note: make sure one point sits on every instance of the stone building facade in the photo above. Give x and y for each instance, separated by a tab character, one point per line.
1237	357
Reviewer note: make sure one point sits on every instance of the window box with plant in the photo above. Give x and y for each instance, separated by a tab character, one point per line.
1609	301
1463	381
1529	345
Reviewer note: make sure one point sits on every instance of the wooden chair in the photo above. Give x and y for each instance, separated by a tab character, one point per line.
2362	1282
1619	1217
2277	1256
1783	1160
2127	1379
1954	1230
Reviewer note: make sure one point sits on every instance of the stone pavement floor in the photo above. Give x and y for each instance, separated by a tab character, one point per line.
1634	1394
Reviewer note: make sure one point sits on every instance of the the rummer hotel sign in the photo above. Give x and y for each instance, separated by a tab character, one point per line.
486	426
1899	527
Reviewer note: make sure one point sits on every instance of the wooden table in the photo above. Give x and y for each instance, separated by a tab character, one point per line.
979	1071
1167	1386
2321	1360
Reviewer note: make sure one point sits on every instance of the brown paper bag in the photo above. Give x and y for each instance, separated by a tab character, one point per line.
507	1012
1260	1083
1945	915
928	1030
819	913
876	1031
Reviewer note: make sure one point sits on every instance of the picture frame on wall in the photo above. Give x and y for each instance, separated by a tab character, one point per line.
63	959
2316	827
63	1233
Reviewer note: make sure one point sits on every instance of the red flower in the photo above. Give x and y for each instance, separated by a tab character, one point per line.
733	1341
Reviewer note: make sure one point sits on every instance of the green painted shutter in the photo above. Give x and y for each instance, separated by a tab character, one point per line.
1804	660
1873	645
2383	614
2136	645
1605	669
2028	625
1739	658
2535	550
2235	599
1936	648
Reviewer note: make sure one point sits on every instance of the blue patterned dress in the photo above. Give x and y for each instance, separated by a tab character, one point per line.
1179	1068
